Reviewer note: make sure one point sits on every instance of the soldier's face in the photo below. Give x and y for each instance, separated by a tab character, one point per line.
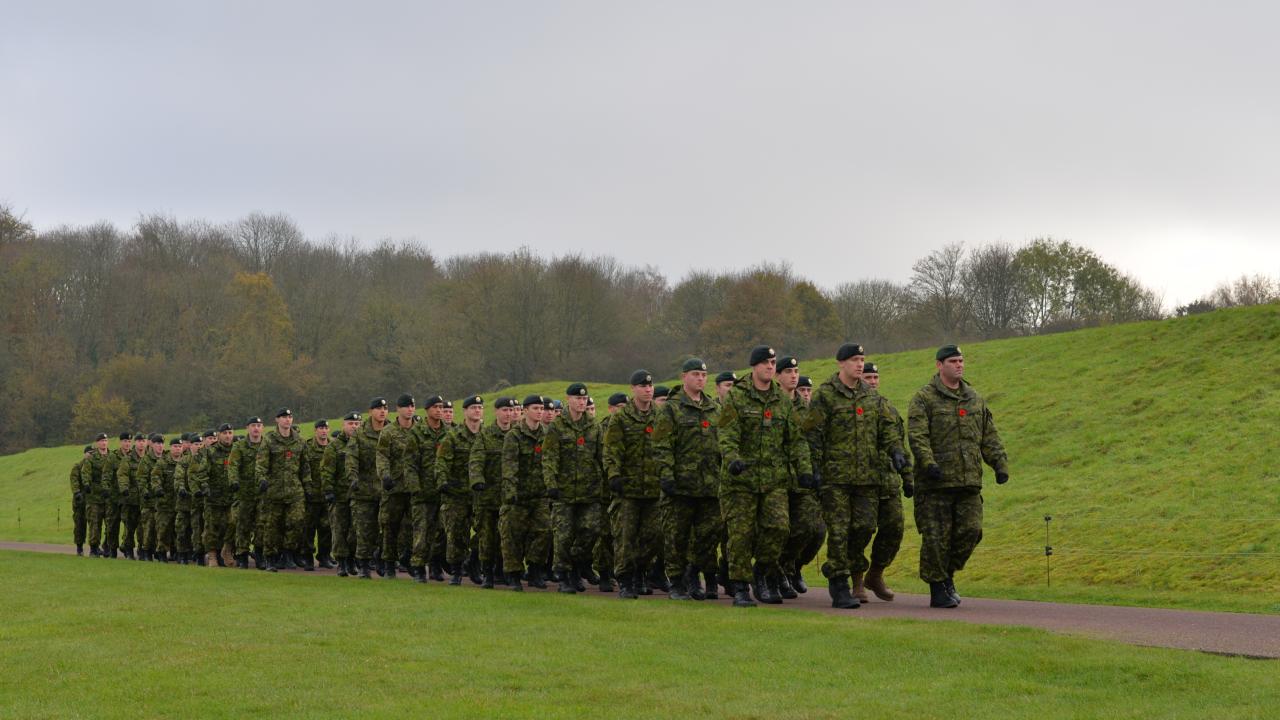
211	439
142	446
613	409
952	368
642	393
789	378
255	432
505	415
284	424
436	412
533	414
406	413
694	381
175	451
474	414
379	414
805	392
723	388
157	449
591	411
101	445
872	380
853	366
322	433
447	414
766	370
225	437
349	427
126	445
577	404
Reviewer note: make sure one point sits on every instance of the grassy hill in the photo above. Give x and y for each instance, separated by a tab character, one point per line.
1151	445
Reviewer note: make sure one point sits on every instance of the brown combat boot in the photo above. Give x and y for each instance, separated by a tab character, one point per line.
211	559
875	583
859	591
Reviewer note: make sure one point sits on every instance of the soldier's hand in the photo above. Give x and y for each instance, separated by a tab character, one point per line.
182	492
235	487
479	487
1002	478
817	481
387	482
899	461
805	480
262	486
615	484
737	467
78	496
553	493
908	488
934	472
352	486
668	486
330	497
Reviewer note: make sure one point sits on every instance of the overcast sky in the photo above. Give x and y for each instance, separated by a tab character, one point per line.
849	138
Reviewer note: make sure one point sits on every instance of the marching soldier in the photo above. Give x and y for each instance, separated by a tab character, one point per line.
242	480
524	520
632	469
93	483
452	479
333	479
79	524
893	486
280	467
315	511
572	467
213	481
365	484
397	463
484	473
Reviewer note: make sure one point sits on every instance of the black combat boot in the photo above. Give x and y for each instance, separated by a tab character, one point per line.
580	573
764	589
841	596
712	593
201	560
258	561
678	590
242	561
325	561
640	583
274	563
658	578
343	569
419	573
606	581
773	580
455	574
588	575
487	580
568	584
693	583
80	549
951	589
437	572
389	571
537	577
741	595
784	588
218	559
798	583
513	579
939	597
403	564
184	558
626	587
474	573
291	561
94	551
307	562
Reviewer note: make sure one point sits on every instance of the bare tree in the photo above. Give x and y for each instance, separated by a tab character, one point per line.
870	311
993	289
262	239
936	282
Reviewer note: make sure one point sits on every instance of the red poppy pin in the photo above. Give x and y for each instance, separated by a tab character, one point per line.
962	412
859	411
226	462
706	423
582	440
288	454
768	413
537	448
648	429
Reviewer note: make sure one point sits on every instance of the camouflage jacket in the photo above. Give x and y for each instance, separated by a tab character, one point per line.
398	457
182	481
850	430
213	475
686	445
333	468
629	451
282	462
114	458
954	430
94	478
313	482
77	483
128	483
452	470
759	428
361	462
145	466
485	466
429	442
522	482
889	479
161	484
573	458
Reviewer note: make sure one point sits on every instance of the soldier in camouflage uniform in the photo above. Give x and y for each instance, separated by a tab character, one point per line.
165	494
572	469
333	483
952	432
93	483
213	483
315	512
147	504
452	477
243	482
280	467
850	430
484	472
182	500
365	484
893	486
427	527
688	456
630	464
524	519
724	383
397	465
130	486
804	511
79	524
111	531
602	558
199	468
761	446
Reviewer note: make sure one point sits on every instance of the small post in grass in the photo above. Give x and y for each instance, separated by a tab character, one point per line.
59	509
1048	549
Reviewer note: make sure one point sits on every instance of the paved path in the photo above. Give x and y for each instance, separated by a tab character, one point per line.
1216	632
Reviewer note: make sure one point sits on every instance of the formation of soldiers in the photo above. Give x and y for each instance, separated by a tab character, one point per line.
680	490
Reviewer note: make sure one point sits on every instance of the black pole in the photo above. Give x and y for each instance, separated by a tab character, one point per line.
1048	549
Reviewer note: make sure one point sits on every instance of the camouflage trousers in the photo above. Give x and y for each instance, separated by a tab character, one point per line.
808	531
758	526
315	529
574	528
522	529
395	517
341	530
281	521
79	523
364	521
96	514
164	531
147	527
215	536
182	530
246	526
637	534
850	513
426	525
690	531
889	528
197	526
488	542
129	535
111	526
455	513
602	553
950	525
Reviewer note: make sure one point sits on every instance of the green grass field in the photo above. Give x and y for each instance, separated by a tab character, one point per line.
104	640
1152	445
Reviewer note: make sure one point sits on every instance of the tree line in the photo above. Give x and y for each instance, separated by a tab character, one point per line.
176	324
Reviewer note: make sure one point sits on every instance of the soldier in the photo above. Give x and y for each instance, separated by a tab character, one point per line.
688	458
484	472
804	388
660	393
952	432
451	476
591	407
164	492
850	431
242	480
94	486
147	504
889	522
631	466
602	557
315	512
551	412
397	465
804	511
280	468
724	383
182	500
523	520
364	483
761	447
337	494
198	469
111	532
78	500
213	484
130	486
572	468
428	531
446	414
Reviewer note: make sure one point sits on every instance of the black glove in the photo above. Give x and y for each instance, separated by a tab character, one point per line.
479	487
235	487
668	486
1002	478
553	493
79	496
908	488
899	461
352	486
200	493
330	497
615	484
387	482
182	493
805	480
262	486
933	472
817	480
737	467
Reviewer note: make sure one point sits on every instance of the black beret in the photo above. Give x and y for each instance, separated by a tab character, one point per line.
661	391
100	436
947	351
448	404
693	364
185	437
353	415
433	400
554	404
591	402
617	399
761	353
534	400
726	376
848	350
156	438
787	363
88	448
252	420
504	402
175	441
284	412
126	436
322	423
404	400
641	377
805	381
210	433
870	369
378	402
473	400
576	389
139	436
225	427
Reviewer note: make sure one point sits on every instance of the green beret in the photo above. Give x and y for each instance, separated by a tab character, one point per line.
870	369
617	399
576	389
641	377
378	402
761	353
504	402
693	364
405	400
661	391
726	376
787	363
805	381
534	400
849	350
473	400
947	351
